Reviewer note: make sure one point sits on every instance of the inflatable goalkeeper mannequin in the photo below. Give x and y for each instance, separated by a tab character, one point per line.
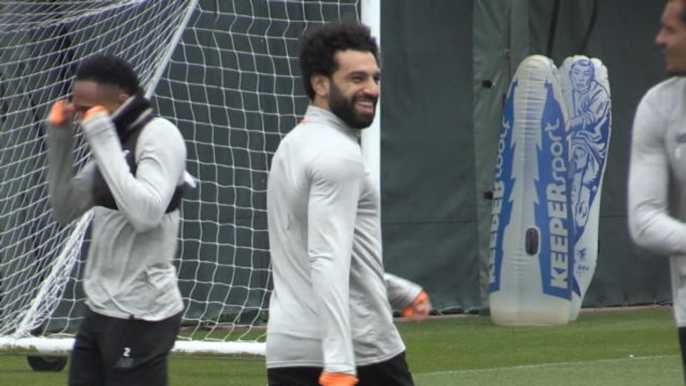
552	152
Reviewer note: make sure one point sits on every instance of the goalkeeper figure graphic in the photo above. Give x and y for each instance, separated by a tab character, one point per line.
330	316
134	184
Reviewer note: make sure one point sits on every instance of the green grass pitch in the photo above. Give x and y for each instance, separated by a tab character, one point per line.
637	347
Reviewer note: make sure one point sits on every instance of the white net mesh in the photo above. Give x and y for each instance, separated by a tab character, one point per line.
228	79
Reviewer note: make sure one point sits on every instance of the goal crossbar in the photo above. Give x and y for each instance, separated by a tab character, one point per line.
62	347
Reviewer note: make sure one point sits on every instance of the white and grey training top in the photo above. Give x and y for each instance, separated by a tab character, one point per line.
129	271
331	305
657	181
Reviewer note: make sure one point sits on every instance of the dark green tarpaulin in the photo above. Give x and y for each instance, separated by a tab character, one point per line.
447	66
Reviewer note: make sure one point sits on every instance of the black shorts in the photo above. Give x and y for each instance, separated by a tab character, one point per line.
126	352
393	372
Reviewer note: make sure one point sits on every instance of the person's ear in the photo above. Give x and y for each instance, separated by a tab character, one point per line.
320	84
122	98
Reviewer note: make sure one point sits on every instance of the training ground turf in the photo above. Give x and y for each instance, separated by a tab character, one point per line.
621	347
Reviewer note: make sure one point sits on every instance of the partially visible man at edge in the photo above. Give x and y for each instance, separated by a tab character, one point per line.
657	172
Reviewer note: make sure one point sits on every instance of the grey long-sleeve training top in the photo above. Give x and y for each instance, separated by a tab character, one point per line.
129	271
331	305
657	181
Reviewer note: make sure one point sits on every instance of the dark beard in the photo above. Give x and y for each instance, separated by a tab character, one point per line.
345	109
676	73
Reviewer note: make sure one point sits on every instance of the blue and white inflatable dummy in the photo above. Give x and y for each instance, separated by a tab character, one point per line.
551	160
531	261
587	93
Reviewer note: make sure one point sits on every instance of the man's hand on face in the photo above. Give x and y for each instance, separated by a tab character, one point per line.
91	112
61	113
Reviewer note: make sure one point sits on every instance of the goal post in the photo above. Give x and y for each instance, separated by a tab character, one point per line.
226	73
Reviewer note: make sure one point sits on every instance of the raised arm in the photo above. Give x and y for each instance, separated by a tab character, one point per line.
160	159
70	195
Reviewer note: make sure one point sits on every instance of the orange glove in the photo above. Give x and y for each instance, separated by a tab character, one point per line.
337	379
92	111
61	112
419	309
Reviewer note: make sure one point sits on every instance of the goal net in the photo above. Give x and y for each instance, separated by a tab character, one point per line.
226	73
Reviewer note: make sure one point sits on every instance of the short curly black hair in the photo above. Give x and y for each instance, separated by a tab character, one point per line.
320	45
111	70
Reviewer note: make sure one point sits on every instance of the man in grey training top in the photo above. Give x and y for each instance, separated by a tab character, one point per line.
134	184
657	173
330	315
